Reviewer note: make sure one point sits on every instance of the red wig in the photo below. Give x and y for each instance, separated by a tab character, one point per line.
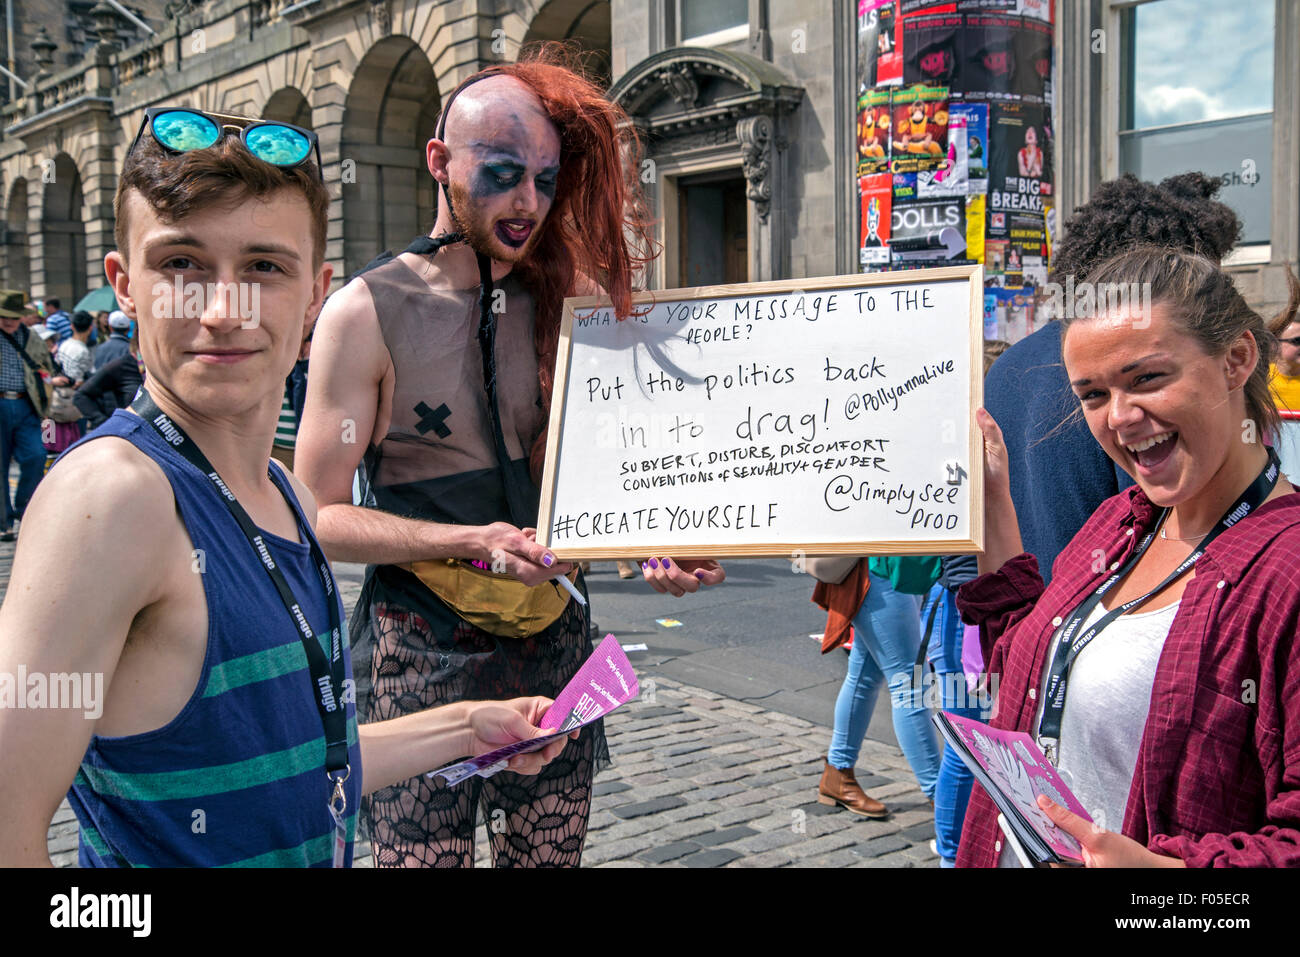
599	229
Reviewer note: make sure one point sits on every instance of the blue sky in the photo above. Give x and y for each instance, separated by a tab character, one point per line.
1202	60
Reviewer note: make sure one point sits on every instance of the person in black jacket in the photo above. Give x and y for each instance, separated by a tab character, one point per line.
112	387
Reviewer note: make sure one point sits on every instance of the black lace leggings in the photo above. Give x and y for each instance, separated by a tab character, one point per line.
532	821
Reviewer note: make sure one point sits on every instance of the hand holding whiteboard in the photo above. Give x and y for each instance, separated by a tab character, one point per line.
828	416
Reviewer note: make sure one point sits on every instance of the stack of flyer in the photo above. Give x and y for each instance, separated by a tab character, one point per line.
1013	770
604	682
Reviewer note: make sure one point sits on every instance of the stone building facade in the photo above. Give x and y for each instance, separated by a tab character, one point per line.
746	108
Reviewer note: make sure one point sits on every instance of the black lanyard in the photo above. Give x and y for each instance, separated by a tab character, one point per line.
1071	644
326	676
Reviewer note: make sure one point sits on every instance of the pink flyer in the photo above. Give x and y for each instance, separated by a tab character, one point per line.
604	682
1017	766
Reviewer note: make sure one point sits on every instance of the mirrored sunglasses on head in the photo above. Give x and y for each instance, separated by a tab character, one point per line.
180	129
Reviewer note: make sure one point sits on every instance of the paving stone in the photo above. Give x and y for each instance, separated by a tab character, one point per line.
738	815
670	786
601	788
719	775
759	842
646	779
684	770
789	719
750	795
777	858
725	836
652	712
669	852
682	830
823	844
879	846
732	760
922	833
771	777
731	747
648	807
612	850
716	857
689	747
841	858
634	828
731	737
715	791
815	808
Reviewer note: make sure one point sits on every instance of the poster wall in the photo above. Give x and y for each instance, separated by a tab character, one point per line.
955	144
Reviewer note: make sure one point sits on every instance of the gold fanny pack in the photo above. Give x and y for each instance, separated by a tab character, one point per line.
498	604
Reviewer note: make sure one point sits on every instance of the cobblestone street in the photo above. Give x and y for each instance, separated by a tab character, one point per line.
701	779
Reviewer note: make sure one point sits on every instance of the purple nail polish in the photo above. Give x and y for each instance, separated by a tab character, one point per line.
643	564
548	560
667	563
654	563
699	575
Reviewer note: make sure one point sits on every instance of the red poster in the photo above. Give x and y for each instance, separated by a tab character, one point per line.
876	192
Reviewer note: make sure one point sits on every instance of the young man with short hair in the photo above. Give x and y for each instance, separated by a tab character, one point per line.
205	716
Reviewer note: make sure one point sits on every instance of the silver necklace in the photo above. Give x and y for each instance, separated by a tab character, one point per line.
1169	538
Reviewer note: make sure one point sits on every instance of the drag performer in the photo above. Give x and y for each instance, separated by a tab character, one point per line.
437	364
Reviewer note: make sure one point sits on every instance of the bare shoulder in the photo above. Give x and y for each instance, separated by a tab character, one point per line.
305	497
109	473
350	309
349	316
102	501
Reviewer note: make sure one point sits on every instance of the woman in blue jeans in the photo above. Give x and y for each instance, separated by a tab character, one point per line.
886	639
951	693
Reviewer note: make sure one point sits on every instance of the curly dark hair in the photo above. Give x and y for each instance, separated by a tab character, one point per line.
1179	212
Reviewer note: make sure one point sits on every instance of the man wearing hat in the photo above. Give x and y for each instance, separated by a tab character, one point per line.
119	340
24	364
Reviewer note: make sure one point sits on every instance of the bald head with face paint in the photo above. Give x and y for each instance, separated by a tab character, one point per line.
498	160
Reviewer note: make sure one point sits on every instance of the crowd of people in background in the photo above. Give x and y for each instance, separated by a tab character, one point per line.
61	375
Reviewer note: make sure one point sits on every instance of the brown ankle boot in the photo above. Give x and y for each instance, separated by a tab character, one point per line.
840	787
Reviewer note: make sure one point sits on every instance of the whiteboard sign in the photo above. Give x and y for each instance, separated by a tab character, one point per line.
828	416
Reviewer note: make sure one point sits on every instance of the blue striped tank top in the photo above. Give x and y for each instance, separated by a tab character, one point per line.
237	778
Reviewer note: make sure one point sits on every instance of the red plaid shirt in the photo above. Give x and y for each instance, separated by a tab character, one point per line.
1217	781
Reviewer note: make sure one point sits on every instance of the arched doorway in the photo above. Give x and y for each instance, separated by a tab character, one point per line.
18	273
390	114
63	233
288	105
584	22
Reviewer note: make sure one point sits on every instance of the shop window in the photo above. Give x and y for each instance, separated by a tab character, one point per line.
1197	94
712	22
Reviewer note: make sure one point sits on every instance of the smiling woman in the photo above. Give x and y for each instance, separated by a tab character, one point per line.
1172	616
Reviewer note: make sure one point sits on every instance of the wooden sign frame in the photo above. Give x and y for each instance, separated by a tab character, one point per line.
974	276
